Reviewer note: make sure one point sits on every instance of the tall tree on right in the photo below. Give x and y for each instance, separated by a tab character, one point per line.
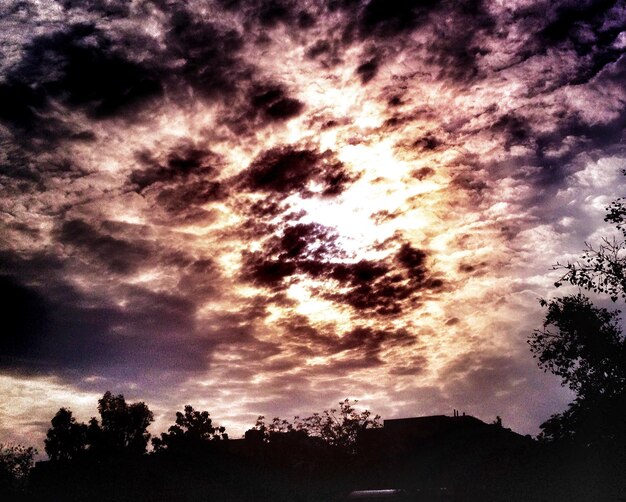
584	344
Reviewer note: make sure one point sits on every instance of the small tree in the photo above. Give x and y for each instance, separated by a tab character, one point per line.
67	438
16	461
276	426
338	428
193	429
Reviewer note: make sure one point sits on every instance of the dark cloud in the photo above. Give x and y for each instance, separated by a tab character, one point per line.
367	70
34	267
423	173
387	19
476	377
266	272
185	198
456	32
275	105
318	48
24	318
417	366
288	169
372	341
268	14
181	183
583	24
80	67
356	348
200	279
210	55
459	40
382	287
515	129
83	136
123	332
107	73
182	162
64	332
271	12
306	20
259	104
590	28
557	151
105	8
285	108
117	255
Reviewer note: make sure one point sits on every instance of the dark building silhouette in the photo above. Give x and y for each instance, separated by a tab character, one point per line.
411	435
441	455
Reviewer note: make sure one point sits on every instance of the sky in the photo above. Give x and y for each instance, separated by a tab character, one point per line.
266	207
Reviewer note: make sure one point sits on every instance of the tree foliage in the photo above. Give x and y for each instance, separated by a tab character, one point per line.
584	345
192	429
123	426
602	268
16	461
122	430
67	438
337	427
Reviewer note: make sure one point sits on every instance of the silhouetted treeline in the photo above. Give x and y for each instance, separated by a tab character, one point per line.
323	457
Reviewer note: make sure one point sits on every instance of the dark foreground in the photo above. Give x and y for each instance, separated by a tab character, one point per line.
468	470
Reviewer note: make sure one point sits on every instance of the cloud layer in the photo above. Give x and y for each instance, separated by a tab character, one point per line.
265	207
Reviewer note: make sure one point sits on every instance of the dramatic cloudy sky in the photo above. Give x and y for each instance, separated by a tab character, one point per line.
264	207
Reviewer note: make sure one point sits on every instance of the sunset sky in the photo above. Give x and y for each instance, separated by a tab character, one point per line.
265	207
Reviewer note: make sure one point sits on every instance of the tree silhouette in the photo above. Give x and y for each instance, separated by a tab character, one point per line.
16	461
67	438
336	427
123	427
122	430
340	427
583	344
192	430
602	268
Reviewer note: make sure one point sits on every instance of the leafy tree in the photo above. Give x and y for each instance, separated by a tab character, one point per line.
123	427
16	461
337	427
67	438
276	426
602	268
122	430
583	344
340	427
193	429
